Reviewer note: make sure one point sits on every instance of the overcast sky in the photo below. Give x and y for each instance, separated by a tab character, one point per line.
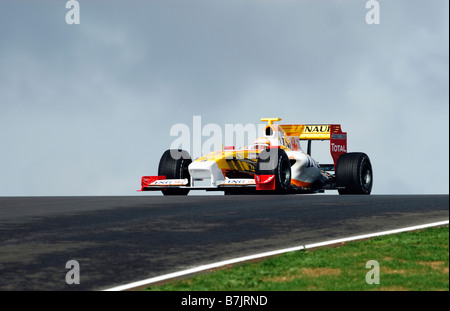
87	109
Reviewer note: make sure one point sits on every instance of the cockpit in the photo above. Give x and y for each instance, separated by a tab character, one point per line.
258	147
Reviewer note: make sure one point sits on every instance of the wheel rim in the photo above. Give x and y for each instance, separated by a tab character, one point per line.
367	178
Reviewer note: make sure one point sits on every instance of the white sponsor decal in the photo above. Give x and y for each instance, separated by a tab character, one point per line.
170	182
338	136
239	182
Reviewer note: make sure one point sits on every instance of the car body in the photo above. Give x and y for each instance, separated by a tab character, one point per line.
274	163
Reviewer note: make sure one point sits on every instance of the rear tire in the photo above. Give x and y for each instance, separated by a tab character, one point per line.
175	168
275	162
354	174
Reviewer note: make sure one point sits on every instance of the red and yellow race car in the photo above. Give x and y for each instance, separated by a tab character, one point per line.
274	163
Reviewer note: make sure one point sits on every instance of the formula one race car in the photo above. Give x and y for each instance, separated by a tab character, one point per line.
274	163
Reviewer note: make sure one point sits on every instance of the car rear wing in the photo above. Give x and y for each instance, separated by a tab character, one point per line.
309	132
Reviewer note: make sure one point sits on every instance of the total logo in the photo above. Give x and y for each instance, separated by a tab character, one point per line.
338	148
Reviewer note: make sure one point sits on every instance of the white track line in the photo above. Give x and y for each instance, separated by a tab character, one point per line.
266	254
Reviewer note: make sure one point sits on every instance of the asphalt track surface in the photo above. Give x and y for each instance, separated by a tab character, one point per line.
118	240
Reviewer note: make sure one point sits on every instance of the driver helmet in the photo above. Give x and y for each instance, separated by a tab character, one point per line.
261	143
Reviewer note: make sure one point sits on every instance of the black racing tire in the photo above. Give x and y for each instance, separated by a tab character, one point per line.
274	161
354	174
174	165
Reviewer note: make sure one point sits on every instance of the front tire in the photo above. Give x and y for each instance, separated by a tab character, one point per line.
174	165
354	174
275	162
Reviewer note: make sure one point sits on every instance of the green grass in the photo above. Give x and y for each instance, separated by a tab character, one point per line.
407	261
